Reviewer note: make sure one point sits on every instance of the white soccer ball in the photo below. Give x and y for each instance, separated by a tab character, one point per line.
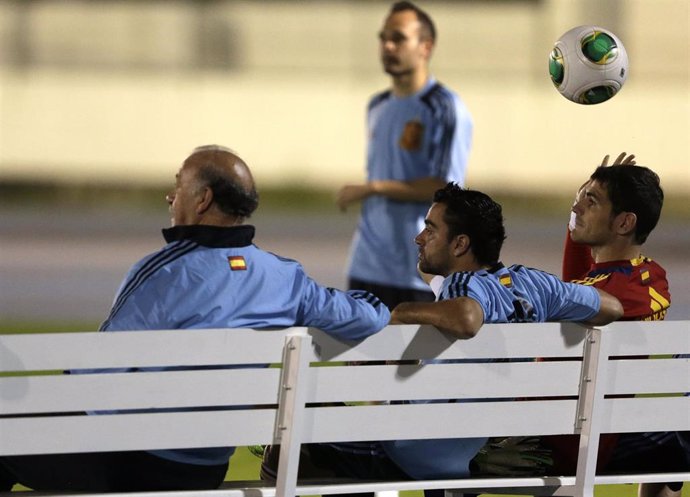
588	65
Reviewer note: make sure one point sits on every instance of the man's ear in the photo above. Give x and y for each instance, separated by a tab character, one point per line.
460	245
205	200
428	47
626	222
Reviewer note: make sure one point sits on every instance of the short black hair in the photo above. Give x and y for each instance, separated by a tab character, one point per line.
635	189
475	214
428	30
232	199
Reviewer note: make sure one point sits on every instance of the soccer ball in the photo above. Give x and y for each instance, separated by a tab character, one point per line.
588	65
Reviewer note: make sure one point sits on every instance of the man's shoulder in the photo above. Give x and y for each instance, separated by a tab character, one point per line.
438	93
460	282
641	268
379	98
537	279
520	270
165	256
646	262
443	103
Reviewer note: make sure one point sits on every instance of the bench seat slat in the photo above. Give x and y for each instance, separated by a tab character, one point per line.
92	392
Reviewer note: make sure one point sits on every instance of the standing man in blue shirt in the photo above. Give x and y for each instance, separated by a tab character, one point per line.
208	275
419	135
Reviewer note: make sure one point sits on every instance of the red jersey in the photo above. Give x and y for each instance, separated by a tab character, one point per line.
640	284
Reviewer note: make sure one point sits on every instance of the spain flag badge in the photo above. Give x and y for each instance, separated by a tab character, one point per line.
506	280
237	263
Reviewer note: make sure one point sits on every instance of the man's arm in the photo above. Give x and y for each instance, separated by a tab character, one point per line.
577	259
610	310
418	190
346	315
461	317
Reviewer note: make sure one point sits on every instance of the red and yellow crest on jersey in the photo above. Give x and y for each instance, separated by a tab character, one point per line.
237	263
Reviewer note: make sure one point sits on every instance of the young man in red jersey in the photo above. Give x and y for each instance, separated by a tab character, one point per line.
613	214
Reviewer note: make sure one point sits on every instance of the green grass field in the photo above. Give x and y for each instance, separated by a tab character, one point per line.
244	465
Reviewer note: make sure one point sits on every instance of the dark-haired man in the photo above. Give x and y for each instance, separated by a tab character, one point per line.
419	137
614	213
461	244
208	275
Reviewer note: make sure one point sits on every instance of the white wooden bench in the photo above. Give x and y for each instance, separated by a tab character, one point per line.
286	405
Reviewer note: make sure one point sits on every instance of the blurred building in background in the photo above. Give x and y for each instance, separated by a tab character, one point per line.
118	91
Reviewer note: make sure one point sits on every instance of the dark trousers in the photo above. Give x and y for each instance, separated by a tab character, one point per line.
106	472
392	296
323	461
638	454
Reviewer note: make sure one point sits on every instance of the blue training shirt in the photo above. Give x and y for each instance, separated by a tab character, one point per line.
214	277
507	295
427	134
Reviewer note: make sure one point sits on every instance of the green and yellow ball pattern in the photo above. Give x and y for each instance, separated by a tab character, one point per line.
599	48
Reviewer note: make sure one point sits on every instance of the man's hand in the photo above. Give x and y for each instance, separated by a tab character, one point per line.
350	194
623	159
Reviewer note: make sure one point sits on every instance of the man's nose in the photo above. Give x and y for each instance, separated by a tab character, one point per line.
388	45
169	198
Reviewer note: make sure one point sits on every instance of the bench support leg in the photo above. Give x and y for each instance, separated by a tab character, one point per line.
591	395
290	419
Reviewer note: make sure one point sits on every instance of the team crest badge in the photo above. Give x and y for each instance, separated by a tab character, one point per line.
237	263
412	135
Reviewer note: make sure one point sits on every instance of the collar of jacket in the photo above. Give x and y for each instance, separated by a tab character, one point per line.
211	236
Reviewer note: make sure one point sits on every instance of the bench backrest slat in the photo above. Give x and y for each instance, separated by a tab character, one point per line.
634	338
447	420
499	341
62	434
95	392
444	381
61	351
648	376
645	414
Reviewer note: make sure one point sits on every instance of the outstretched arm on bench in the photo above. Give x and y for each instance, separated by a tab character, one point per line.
461	317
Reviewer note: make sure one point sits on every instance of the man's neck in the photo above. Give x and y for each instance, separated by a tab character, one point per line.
465	264
409	84
216	218
608	253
